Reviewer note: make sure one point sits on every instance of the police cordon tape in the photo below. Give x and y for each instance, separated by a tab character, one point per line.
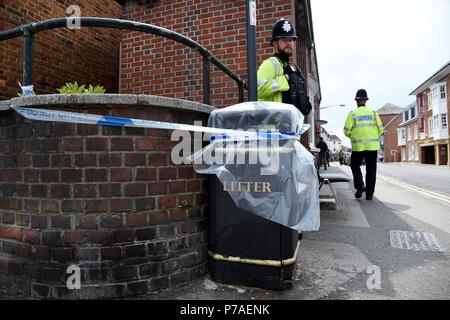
86	118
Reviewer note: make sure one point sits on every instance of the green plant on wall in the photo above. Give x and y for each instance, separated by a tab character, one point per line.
74	88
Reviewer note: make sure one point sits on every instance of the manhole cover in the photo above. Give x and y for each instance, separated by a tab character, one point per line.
418	241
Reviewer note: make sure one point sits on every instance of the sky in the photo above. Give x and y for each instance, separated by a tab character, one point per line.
388	47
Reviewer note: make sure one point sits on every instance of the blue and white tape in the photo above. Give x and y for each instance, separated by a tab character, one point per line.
26	90
86	118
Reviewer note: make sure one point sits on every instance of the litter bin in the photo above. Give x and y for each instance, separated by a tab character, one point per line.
244	248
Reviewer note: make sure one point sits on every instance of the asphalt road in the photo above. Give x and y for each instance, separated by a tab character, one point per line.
430	177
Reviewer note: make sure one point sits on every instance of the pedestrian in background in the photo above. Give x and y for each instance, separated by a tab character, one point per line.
322	145
341	157
364	127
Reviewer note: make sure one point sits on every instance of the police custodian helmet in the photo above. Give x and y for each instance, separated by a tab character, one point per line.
361	94
283	29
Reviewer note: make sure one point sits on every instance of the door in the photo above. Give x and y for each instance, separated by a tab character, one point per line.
443	154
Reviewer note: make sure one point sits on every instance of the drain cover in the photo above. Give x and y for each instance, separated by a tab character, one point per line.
418	241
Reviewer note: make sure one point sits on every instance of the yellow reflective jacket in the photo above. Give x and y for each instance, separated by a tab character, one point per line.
364	127
271	80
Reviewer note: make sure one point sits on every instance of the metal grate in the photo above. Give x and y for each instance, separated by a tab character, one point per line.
418	241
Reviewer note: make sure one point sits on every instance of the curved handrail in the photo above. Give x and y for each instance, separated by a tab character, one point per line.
35	27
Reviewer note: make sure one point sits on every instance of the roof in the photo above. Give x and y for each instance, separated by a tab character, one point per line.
404	124
389	108
392	120
445	70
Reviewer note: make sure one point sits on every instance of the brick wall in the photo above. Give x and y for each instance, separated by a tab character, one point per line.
107	199
391	137
90	55
154	65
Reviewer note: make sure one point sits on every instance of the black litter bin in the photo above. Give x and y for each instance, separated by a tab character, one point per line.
247	249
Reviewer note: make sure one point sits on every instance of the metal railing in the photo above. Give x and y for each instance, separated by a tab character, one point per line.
28	31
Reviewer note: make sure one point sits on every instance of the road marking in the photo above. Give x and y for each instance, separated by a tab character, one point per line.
416	189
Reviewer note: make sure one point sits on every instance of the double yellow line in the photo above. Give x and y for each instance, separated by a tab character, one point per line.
427	193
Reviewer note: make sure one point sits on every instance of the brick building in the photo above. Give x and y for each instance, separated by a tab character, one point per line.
432	117
134	62
390	116
408	135
153	65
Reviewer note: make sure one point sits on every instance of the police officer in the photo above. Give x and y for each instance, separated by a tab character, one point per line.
279	80
364	128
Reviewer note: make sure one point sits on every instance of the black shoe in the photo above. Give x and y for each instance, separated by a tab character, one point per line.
359	192
300	235
369	197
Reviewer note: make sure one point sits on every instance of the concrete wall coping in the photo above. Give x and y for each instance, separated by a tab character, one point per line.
106	99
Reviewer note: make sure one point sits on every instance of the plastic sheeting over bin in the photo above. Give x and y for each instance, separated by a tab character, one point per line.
272	176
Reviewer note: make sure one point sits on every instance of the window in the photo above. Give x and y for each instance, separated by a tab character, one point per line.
429	101
416	132
430	126
413	112
409	134
442	91
436	122
444	121
403	134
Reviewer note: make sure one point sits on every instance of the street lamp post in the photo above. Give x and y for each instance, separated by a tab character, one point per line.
334	105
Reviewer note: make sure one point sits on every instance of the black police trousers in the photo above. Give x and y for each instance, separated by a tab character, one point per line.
370	159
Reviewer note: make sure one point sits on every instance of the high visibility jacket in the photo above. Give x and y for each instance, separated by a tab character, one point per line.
271	80
364	128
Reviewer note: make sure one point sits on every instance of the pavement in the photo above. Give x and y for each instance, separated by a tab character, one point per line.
354	258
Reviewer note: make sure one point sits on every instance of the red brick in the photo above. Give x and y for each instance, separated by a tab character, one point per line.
145	144
49	176
61	160
31	175
111	253
11	175
135	220
85	191
110	160
40	252
86	160
23	250
120	205
96	144
121	174
167	202
72	237
10	233
167	173
177	186
135	159
71	175
135	189
24	160
156	188
73	144
177	214
87	222
7	203
96	174
158	159
30	236
50	206
122	144
146	174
